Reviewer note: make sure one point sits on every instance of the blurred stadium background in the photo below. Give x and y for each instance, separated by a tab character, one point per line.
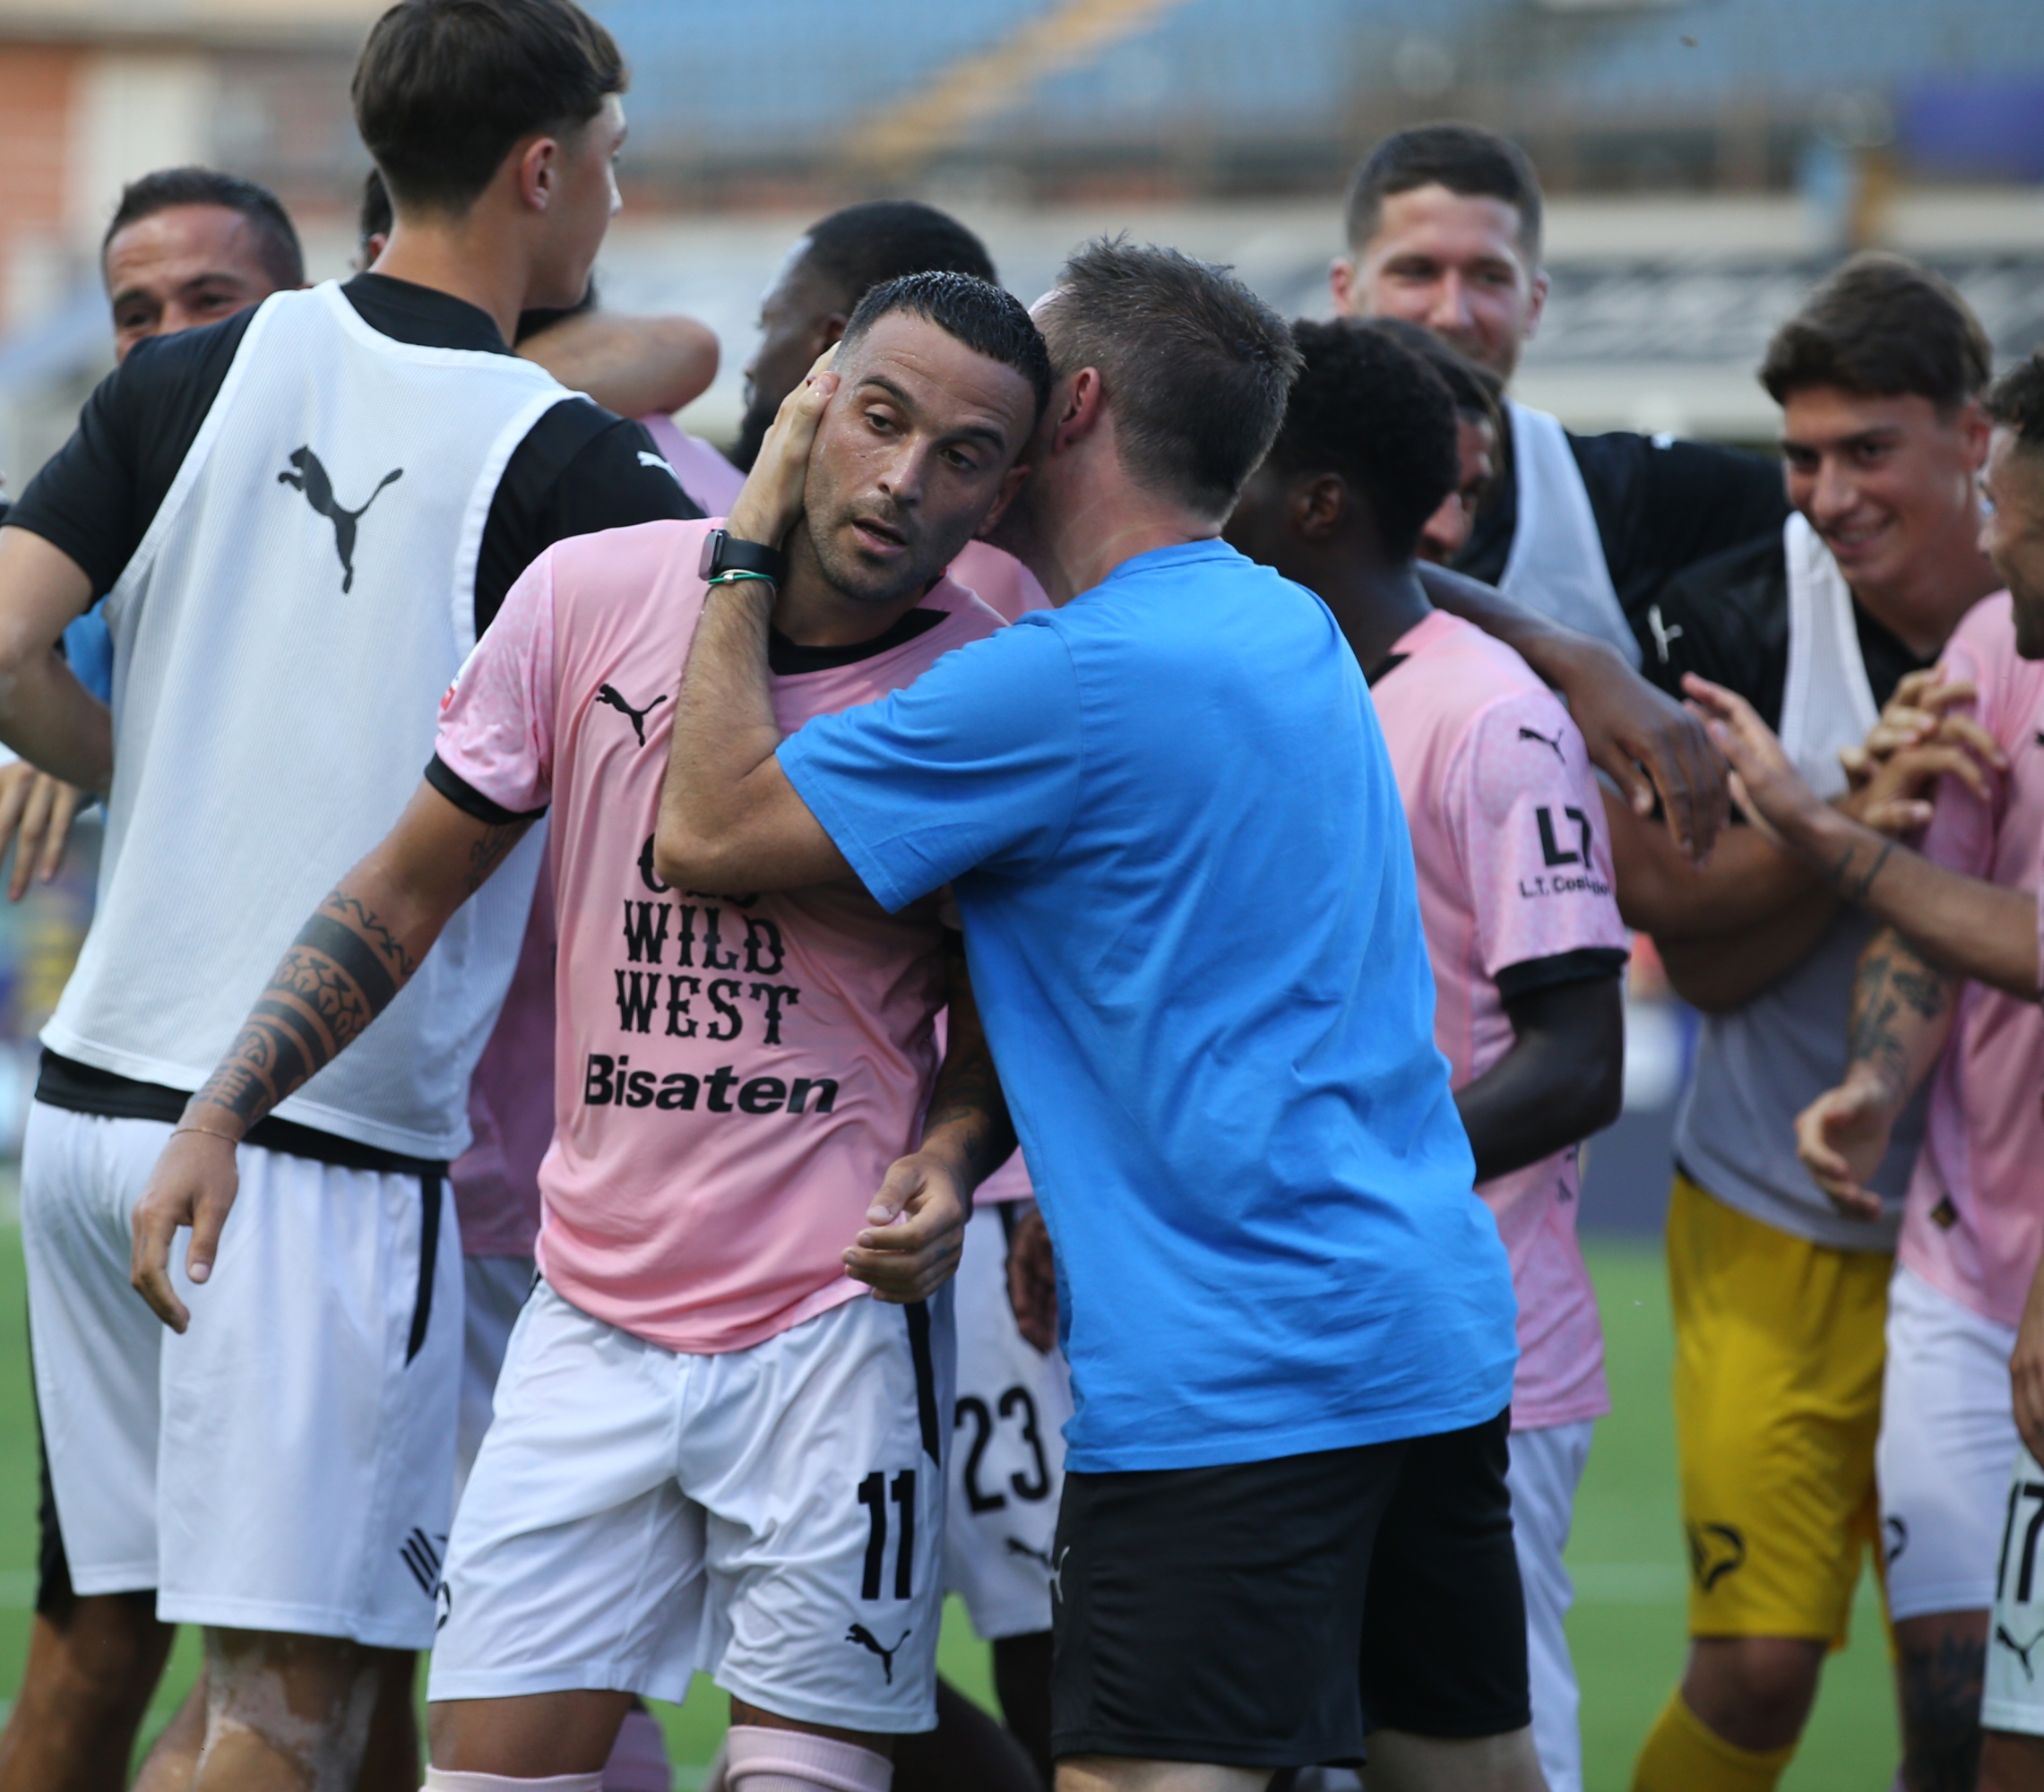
1705	159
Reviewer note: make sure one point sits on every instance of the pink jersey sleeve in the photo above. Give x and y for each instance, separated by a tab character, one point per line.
496	720
1961	836
1533	837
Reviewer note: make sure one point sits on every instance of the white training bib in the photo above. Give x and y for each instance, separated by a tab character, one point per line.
1827	705
1557	564
1759	1066
282	642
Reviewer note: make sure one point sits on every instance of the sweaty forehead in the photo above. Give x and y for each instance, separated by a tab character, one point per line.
950	385
182	242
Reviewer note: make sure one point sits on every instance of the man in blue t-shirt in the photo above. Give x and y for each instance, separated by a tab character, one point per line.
1170	825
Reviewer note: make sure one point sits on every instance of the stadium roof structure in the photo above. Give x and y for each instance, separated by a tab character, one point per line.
1234	94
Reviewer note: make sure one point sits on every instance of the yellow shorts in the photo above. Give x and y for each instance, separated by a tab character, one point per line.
1778	1350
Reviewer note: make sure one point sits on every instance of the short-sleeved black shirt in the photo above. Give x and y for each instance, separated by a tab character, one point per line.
1660	505
579	471
1726	619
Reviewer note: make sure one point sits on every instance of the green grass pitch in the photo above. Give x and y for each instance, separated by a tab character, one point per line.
1627	1558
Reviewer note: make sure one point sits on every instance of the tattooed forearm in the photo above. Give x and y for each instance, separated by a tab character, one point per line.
344	969
1896	999
1852	872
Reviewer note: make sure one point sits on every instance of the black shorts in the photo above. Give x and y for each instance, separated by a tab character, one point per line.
1270	1614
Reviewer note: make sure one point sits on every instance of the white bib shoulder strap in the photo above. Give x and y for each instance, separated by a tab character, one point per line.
1557	564
1827	704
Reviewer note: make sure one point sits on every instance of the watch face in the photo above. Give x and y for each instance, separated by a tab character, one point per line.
712	545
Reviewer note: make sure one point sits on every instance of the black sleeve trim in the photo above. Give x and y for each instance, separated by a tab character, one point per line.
1586	964
465	797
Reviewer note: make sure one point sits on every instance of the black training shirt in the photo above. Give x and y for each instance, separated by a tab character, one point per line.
1660	504
1726	619
579	471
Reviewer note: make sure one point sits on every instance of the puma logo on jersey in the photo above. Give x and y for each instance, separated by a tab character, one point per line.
1715	1550
312	480
658	463
1016	1546
1895	1532
610	694
1553	747
1945	1216
2021	1650
1662	634
866	1640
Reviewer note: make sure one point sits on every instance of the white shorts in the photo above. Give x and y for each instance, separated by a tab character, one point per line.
494	1290
1947	1438
772	1516
1546	1469
287	1464
2013	1696
1008	1452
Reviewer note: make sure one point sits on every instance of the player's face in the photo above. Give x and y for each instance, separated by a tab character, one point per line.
914	456
1882	480
798	319
1448	528
1453	262
2012	533
182	267
584	198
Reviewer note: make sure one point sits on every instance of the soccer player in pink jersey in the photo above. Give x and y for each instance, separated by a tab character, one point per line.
1515	898
710	1450
1965	1363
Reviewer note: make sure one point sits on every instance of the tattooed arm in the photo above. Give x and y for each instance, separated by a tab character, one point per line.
360	947
1962	925
916	1226
1902	1007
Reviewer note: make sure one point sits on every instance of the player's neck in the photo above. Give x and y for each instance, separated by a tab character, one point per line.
1088	517
1373	604
469	258
812	612
1924	602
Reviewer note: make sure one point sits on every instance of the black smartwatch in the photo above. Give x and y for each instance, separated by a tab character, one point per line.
723	552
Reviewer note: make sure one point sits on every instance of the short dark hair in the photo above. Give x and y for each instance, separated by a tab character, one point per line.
1882	325
1476	391
860	247
1465	158
276	237
1195	366
1369	407
445	88
2016	402
988	319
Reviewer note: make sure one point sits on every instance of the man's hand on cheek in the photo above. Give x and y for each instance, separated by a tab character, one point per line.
771	504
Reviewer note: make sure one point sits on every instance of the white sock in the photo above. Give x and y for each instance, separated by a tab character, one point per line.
439	1779
763	1760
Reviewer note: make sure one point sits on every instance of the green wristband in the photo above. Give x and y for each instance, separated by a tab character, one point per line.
735	577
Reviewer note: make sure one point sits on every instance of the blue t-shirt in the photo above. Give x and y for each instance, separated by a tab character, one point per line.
1171	827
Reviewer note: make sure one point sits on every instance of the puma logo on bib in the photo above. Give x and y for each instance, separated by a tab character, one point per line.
312	480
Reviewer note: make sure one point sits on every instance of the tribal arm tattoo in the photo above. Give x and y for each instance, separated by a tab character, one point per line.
1902	1007
969	1113
362	945
343	969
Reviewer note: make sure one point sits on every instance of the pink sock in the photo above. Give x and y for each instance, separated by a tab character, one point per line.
638	1758
794	1761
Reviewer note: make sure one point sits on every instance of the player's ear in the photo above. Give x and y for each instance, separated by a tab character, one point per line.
1318	506
830	333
